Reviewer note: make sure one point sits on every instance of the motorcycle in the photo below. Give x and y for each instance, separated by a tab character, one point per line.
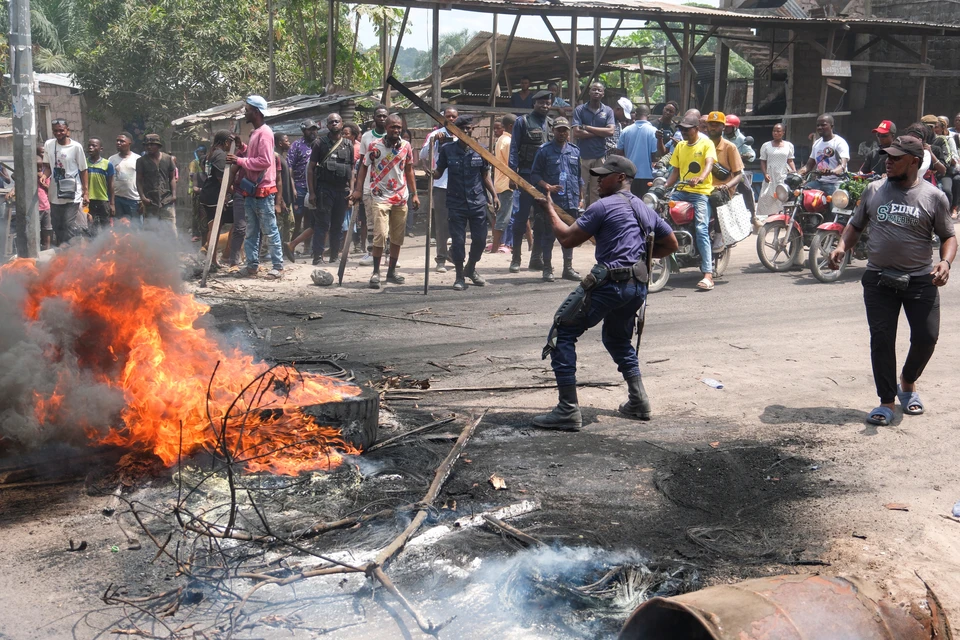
827	236
782	236
681	217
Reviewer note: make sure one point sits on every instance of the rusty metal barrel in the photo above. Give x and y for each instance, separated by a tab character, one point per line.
792	607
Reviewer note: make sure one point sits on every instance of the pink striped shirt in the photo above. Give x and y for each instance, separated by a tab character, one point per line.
260	158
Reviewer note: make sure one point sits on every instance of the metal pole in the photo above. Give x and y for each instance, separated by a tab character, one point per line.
272	92
435	55
574	88
426	248
331	51
493	65
24	127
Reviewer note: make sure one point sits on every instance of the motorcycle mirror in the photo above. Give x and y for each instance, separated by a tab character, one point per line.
694	168
748	141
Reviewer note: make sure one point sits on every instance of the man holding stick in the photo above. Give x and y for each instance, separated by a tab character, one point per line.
387	166
629	236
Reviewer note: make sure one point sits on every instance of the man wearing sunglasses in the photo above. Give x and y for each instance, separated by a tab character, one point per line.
903	212
65	162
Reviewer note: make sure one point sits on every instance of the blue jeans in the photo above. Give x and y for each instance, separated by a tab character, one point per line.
701	203
616	303
827	187
128	208
458	220
261	219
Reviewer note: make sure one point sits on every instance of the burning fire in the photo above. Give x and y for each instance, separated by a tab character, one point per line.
133	333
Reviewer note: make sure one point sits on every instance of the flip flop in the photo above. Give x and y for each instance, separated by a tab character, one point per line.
885	416
706	285
910	399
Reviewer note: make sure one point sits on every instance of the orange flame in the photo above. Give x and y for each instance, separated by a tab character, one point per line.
137	335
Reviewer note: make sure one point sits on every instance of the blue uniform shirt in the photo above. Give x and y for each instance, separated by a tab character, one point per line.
620	241
465	169
519	130
553	163
593	148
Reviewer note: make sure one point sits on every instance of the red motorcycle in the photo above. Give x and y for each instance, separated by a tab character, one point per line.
782	236
827	236
681	216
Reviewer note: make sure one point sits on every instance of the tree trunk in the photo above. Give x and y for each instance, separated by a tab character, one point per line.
353	54
320	41
306	44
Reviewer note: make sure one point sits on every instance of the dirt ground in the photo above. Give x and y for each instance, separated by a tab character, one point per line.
780	456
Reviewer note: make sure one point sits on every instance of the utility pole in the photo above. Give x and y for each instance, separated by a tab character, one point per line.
272	94
24	129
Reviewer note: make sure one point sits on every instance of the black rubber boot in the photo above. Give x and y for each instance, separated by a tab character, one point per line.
637	405
517	256
566	415
470	271
536	260
569	273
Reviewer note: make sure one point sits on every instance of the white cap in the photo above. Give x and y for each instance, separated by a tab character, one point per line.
626	105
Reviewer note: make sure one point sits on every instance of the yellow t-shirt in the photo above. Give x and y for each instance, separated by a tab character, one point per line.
501	182
698	152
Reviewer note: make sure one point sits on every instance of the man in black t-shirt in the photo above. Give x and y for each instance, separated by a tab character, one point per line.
875	161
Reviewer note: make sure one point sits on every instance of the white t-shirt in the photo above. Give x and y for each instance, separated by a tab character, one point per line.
827	154
66	162
125	176
370	136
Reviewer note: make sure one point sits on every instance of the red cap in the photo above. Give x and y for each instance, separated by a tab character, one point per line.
886	127
732	121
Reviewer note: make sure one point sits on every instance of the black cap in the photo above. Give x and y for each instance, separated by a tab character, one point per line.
905	145
309	124
543	94
463	121
615	164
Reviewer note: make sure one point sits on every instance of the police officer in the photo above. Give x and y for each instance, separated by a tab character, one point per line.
614	291
469	191
328	180
530	132
556	170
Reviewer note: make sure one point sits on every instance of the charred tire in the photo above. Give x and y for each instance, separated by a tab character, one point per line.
776	249
357	417
823	243
660	275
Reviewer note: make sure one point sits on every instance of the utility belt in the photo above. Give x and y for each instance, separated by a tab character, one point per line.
637	272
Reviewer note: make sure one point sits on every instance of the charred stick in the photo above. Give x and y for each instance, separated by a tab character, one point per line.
516	533
425	427
497	388
424	623
383	315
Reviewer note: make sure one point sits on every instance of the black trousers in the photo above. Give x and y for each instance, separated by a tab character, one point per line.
328	219
921	304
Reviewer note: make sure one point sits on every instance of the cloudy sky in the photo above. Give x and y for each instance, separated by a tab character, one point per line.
450	21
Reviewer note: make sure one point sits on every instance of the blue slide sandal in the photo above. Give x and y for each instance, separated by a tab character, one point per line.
881	416
910	399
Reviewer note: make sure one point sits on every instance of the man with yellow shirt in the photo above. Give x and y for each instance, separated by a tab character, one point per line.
692	162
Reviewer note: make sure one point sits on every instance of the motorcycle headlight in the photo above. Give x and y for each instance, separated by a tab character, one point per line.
781	193
841	199
658	182
650	200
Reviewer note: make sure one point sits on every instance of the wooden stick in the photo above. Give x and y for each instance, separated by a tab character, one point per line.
383	315
426	248
215	229
500	388
476	146
516	533
431	425
425	624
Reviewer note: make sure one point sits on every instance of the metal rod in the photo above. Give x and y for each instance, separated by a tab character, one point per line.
24	128
426	248
436	56
493	63
574	87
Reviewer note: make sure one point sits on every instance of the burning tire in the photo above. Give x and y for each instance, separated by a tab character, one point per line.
357	417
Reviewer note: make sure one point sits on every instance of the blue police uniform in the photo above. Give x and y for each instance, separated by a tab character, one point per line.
621	243
530	132
466	200
554	164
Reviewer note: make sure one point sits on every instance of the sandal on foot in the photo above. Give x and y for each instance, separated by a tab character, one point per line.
908	400
706	285
881	416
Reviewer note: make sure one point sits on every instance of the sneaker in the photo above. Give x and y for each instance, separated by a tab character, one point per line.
441	268
367	260
459	285
375	281
395	278
318	260
275	274
476	278
515	266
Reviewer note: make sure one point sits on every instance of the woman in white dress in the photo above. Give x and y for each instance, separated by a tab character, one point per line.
776	160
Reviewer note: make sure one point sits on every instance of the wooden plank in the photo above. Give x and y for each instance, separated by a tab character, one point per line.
703	40
793	116
556	38
215	229
506	53
823	83
476	146
597	59
396	52
902	47
922	91
865	47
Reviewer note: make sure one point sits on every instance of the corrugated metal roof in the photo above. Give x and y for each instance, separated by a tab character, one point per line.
647	10
275	109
